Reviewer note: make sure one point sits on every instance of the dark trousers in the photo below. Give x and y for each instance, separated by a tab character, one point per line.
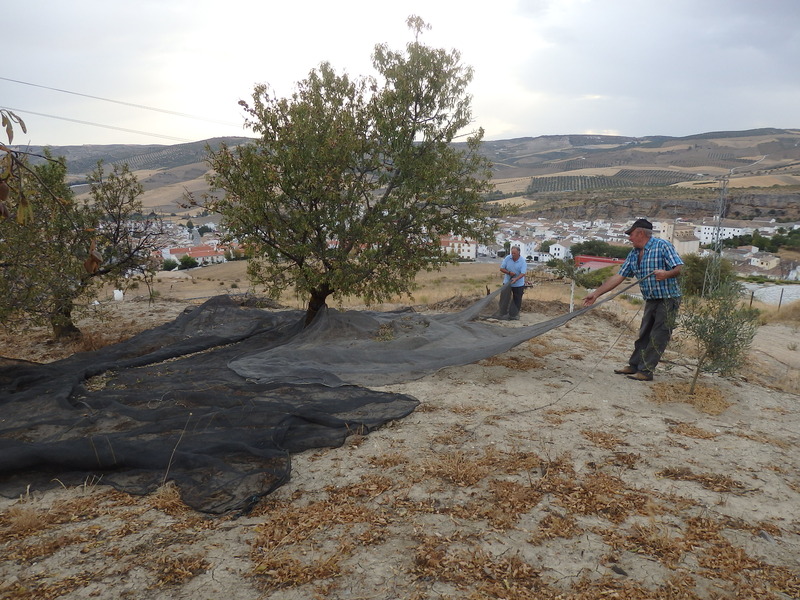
655	332
506	306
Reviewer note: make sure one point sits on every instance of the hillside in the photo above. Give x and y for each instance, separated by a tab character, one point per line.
580	174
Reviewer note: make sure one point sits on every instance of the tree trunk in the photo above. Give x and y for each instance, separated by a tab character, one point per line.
61	321
700	362
317	302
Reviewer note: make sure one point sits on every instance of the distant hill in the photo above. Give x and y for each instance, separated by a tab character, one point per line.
82	159
683	158
536	168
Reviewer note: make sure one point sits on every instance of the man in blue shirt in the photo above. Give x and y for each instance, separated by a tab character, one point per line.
514	268
656	264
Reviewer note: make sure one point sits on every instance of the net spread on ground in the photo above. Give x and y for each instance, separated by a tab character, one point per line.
218	400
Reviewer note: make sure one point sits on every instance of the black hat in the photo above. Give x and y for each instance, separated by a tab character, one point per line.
639	224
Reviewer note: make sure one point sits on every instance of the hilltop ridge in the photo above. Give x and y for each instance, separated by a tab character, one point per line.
550	171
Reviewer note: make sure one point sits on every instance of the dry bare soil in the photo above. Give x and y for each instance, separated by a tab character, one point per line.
534	474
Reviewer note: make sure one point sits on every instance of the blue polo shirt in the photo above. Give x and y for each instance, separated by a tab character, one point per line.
518	266
658	254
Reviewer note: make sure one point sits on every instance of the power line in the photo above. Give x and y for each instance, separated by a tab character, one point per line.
142	106
158	135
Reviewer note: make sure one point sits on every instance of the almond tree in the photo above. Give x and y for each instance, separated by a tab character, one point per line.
352	181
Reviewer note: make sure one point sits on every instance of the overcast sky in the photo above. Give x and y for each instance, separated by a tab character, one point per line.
542	67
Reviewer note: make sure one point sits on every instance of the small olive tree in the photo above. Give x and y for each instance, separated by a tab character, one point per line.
718	324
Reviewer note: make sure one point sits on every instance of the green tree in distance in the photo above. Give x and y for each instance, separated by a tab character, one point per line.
353	181
599	248
187	262
695	272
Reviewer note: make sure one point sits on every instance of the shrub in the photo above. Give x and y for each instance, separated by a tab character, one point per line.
720	327
187	262
704	273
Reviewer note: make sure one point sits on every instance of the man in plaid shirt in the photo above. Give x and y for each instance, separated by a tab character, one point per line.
656	264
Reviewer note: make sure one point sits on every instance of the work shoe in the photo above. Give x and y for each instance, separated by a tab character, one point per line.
641	376
515	318
629	370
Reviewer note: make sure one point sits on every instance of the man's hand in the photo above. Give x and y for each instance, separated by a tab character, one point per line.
590	299
661	274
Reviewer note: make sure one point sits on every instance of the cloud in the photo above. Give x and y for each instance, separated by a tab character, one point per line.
638	67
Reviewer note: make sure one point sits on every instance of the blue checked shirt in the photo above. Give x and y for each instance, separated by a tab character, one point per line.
658	254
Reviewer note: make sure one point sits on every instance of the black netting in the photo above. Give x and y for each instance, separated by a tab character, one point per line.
217	400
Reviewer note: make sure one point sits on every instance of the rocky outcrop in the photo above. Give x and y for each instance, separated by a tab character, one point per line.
740	206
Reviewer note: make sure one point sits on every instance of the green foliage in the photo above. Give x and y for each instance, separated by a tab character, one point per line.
169	264
66	250
545	246
567	269
783	239
720	327
187	262
204	229
353	181
599	248
701	273
593	279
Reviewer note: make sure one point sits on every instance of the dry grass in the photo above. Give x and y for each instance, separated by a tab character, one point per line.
656	541
167	499
440	559
763	439
458	468
705	399
598	494
788	313
603	439
513	362
689	430
554	525
175	570
710	481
